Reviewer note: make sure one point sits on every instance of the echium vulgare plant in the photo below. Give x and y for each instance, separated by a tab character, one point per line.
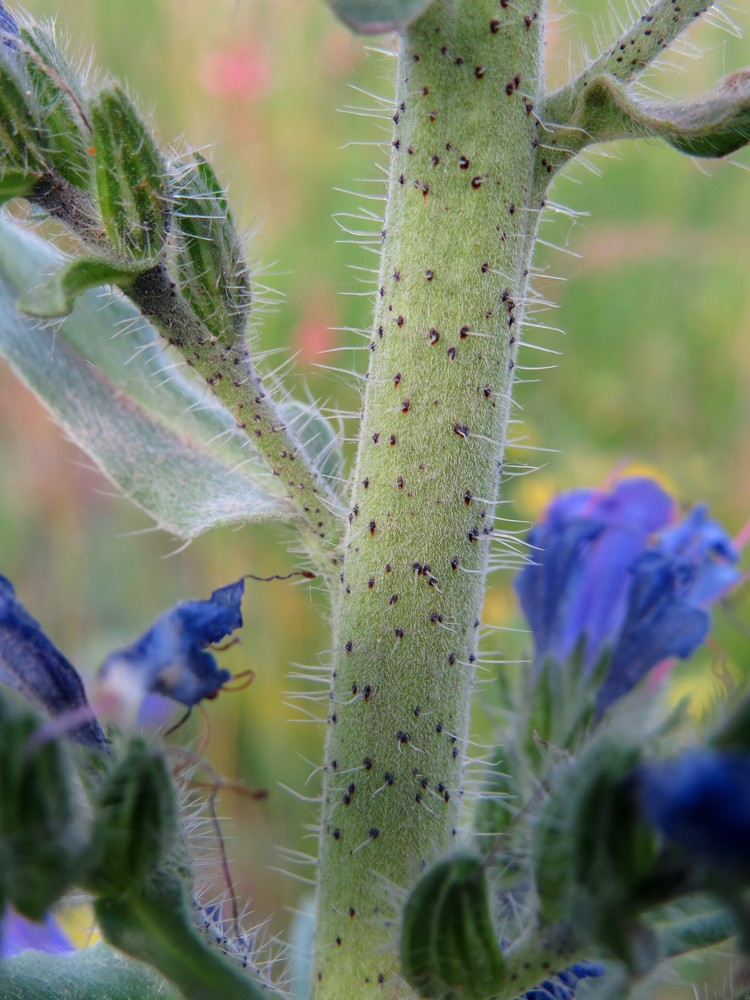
600	848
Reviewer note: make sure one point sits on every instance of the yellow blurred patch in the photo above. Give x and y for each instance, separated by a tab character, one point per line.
79	924
626	469
500	606
535	493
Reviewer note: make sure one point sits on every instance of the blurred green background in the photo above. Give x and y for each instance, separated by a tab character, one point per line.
654	370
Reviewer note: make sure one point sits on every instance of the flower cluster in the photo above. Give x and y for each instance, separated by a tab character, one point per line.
617	574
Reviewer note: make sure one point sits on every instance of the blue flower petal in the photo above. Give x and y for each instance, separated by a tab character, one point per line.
661	622
8	27
171	657
703	543
19	934
576	589
701	801
31	664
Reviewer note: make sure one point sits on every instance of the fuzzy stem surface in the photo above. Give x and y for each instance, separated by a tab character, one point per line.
463	202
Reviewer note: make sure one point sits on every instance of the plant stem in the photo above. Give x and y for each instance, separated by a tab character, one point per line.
462	211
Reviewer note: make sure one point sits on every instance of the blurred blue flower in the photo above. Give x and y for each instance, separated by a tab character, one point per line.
563	985
615	572
30	663
701	801
19	934
8	27
171	657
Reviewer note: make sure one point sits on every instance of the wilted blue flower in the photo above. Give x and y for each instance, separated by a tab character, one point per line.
612	571
19	934
701	801
30	663
171	657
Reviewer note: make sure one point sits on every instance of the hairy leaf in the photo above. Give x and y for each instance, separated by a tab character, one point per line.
449	947
154	925
210	263
96	973
714	124
155	434
58	295
130	177
318	438
373	17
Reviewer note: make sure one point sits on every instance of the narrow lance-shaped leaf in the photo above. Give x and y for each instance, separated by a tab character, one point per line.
373	17
58	104
210	264
130	177
20	140
130	411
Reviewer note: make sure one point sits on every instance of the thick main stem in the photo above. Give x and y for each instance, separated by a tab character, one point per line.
457	241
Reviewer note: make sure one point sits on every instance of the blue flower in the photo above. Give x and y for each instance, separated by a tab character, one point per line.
8	28
19	934
563	985
614	572
701	801
171	657
30	663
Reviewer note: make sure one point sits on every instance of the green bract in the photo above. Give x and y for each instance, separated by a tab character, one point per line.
374	17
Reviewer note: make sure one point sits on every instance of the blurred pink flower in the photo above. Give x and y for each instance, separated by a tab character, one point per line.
241	70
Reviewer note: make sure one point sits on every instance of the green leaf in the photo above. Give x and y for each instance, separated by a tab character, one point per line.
96	973
40	838
130	177
154	433
374	17
20	150
449	947
58	296
700	930
135	825
210	263
58	105
318	438
714	124
15	184
155	926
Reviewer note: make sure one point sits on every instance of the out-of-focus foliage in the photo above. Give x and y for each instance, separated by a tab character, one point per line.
654	361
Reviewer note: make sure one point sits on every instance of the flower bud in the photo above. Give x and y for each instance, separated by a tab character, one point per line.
135	822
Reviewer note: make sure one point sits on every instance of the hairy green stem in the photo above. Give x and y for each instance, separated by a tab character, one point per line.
462	211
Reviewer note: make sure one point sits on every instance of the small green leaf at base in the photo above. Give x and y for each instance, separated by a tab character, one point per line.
374	17
58	296
154	925
449	947
96	973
